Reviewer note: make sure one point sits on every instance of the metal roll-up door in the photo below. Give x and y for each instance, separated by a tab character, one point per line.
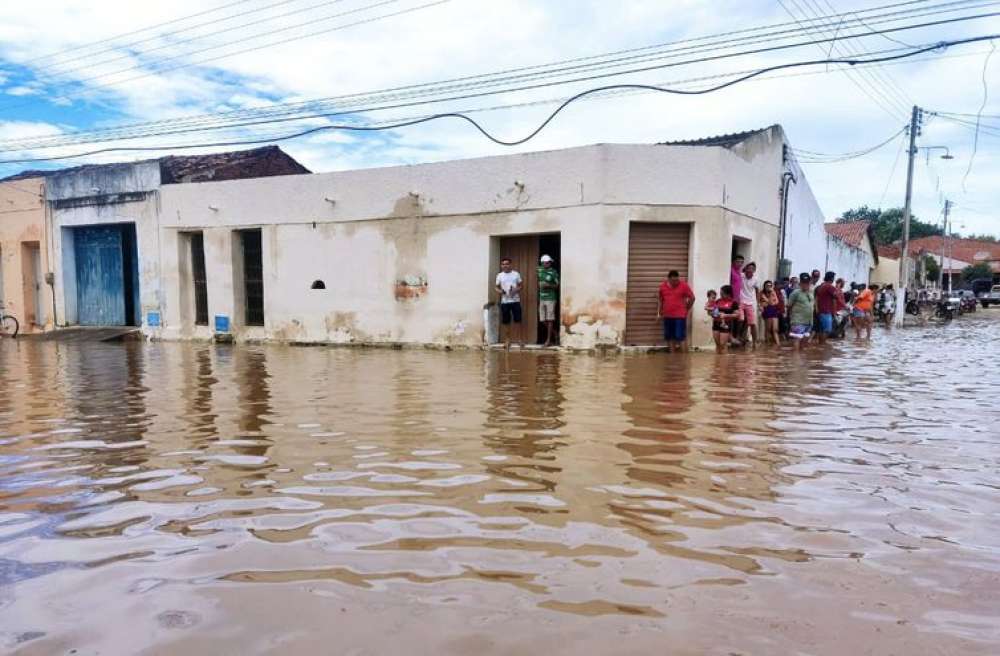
653	250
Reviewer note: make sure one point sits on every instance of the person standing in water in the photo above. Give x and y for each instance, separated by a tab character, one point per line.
801	311
771	307
508	286
548	295
673	304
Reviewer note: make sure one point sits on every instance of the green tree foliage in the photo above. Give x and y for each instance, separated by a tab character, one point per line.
979	270
888	224
932	268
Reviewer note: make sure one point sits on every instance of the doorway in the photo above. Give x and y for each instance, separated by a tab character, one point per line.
525	252
33	282
107	275
654	249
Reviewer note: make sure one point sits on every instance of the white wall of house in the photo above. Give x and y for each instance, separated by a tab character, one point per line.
362	232
850	263
805	236
109	194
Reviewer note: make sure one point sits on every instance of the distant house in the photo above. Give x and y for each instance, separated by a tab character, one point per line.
851	252
101	242
954	254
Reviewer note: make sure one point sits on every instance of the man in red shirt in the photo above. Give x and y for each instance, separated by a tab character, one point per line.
826	305
673	303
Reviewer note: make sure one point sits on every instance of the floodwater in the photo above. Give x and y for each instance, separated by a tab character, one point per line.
186	498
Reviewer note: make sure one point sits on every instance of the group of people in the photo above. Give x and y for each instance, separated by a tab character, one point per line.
508	285
810	307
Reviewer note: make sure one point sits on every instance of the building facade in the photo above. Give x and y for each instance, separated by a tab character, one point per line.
851	251
24	253
408	254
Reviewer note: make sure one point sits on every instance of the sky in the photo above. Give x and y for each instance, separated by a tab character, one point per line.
65	66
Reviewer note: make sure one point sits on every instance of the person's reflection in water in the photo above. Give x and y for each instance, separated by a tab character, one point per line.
524	416
659	392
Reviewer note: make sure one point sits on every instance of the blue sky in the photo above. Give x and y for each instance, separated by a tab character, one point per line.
822	110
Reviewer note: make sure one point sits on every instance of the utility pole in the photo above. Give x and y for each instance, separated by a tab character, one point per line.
947	241
915	119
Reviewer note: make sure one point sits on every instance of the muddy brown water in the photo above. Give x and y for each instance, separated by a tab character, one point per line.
184	498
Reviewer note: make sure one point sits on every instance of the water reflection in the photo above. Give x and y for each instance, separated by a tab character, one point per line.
518	502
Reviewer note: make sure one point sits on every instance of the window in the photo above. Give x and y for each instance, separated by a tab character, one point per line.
253	277
199	279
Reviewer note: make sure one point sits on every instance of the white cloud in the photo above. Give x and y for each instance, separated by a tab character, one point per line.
824	112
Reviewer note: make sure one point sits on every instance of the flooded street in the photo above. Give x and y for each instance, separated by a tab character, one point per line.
191	498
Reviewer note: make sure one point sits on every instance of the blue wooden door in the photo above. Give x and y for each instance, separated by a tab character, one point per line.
100	276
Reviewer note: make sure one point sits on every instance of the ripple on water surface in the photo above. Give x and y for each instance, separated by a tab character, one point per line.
252	499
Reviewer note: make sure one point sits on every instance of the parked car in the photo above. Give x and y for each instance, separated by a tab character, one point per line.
968	300
990	297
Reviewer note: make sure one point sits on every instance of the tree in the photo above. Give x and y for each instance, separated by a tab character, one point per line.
932	269
887	225
975	271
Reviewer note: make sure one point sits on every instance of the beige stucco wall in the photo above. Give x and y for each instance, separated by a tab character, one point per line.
361	232
22	221
886	272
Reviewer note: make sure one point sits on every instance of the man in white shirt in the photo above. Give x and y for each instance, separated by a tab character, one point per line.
749	293
508	286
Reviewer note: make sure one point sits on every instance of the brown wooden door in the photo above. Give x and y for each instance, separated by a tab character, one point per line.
523	252
653	250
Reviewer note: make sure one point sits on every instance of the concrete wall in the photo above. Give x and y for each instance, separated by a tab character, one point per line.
851	264
23	225
364	232
107	194
805	236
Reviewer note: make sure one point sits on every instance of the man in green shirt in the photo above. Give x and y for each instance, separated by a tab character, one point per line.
548	294
801	306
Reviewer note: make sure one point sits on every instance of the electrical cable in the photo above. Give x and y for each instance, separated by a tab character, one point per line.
811	157
57	141
986	96
140	31
878	71
545	123
266	19
946	7
892	171
856	78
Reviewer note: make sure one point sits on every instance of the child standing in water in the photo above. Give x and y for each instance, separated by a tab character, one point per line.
770	305
726	314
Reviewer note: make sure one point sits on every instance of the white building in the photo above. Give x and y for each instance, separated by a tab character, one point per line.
407	254
851	251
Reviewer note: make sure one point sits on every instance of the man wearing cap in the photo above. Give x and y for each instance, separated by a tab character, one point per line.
673	304
548	294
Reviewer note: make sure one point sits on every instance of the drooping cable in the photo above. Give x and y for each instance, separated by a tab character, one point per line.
544	124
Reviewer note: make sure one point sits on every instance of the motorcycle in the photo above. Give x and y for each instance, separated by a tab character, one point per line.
947	308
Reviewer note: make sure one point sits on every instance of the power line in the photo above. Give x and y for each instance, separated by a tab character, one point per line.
892	173
876	97
826	158
945	7
986	96
139	31
267	19
293	112
546	122
162	35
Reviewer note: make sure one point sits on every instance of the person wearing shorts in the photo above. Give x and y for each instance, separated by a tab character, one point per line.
862	313
826	305
801	308
748	299
548	294
508	286
673	304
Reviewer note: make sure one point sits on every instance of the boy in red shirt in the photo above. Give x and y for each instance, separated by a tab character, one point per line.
673	303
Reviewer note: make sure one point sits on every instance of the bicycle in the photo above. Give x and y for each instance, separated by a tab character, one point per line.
8	324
